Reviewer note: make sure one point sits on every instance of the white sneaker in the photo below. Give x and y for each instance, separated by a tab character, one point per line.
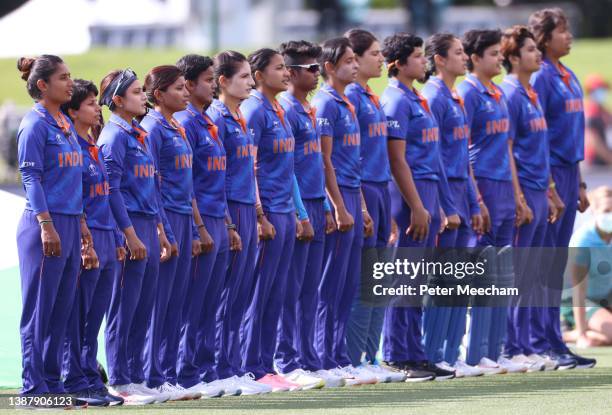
175	393
382	375
230	386
160	397
303	378
549	363
393	376
331	380
363	376
189	394
249	386
349	379
462	370
131	394
207	390
445	366
532	365
489	367
510	366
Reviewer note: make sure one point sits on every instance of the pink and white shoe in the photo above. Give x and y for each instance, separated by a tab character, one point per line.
274	382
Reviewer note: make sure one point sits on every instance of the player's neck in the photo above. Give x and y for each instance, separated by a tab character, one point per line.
200	105
405	80
448	79
300	94
337	84
362	80
165	112
232	103
81	129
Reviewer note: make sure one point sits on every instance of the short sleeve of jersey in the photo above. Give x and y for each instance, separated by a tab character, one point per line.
539	82
326	116
254	116
397	119
470	100
514	114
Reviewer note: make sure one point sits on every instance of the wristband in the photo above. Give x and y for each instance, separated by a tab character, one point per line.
200	226
42	222
231	226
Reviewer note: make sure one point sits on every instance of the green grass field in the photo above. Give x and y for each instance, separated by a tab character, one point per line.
587	56
565	392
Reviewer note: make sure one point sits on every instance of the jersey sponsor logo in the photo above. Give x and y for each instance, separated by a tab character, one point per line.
393	124
430	135
311	147
183	161
144	170
348	120
323	122
283	145
92	169
70	159
498	126
216	163
351	140
99	189
377	129
26	164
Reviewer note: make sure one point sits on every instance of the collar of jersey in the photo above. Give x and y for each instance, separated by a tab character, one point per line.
198	115
42	111
395	83
267	104
297	105
121	122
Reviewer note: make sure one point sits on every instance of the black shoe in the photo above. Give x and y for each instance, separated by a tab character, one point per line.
582	362
441	374
396	367
565	360
415	372
113	400
91	398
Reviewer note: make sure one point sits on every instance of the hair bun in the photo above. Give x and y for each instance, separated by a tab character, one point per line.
25	66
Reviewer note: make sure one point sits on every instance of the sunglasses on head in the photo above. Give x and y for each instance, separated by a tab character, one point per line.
312	68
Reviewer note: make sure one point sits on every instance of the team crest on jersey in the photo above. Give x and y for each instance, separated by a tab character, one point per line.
93	171
59	139
489	106
176	140
456	112
529	108
370	109
347	120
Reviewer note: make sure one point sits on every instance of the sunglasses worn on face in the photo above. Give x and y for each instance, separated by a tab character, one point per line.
312	68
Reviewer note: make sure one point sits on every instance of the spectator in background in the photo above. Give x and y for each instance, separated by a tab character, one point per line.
598	151
589	321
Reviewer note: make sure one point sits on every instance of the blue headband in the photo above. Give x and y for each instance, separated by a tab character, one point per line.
118	86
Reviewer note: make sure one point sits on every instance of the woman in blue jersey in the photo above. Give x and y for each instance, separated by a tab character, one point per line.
340	145
416	193
134	202
50	231
216	231
497	185
561	98
528	132
100	266
167	142
444	327
365	322
232	76
295	353
274	147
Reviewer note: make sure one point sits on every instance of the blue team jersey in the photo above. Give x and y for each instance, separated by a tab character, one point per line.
96	188
240	150
529	134
487	117
273	138
50	163
307	157
561	98
209	161
448	109
373	129
409	119
337	119
130	168
173	159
